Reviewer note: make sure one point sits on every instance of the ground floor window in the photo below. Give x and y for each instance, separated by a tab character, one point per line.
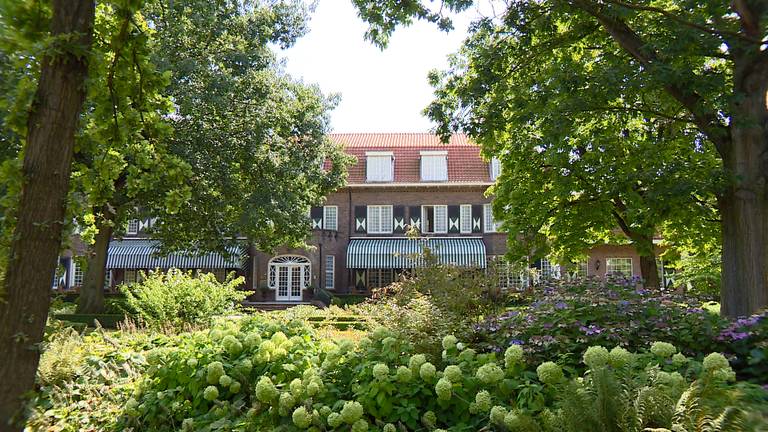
77	274
379	278
618	267
330	270
131	276
577	270
510	276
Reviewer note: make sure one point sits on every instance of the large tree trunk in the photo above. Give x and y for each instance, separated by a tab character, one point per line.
52	124
744	206
649	271
91	300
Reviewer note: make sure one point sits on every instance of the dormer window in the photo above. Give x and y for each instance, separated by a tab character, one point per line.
495	166
434	166
380	166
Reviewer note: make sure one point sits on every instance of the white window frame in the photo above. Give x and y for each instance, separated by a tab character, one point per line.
491	225
330	271
77	273
426	227
384	223
132	227
375	173
495	167
614	266
434	165
331	214
465	219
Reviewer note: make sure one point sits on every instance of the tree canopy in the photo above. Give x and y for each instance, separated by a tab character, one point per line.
693	73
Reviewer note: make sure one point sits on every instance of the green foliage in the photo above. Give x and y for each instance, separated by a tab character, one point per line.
258	373
565	318
253	136
433	302
177	299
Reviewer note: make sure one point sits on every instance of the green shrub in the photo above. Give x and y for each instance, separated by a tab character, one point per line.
176	299
257	373
63	355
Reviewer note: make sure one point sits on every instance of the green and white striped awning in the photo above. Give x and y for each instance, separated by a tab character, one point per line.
402	253
141	254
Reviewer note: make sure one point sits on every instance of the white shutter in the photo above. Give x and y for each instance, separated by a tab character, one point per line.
465	217
441	219
434	166
495	168
379	168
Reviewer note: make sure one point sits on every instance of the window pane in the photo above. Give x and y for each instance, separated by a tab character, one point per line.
386	219
133	226
490	224
495	168
466	219
619	267
330	218
330	264
441	219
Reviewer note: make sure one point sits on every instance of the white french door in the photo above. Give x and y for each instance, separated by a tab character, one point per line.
290	281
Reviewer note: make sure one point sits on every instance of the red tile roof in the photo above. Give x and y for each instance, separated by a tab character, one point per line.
464	162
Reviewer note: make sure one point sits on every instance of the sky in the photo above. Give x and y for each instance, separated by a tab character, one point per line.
381	91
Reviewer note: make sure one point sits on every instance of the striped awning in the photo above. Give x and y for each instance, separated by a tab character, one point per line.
141	254
402	253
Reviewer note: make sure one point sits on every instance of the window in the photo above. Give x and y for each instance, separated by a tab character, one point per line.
77	274
379	278
331	218
220	274
510	276
133	226
434	166
495	166
131	277
465	216
618	267
434	219
578	270
549	270
379	219
491	225
330	267
379	166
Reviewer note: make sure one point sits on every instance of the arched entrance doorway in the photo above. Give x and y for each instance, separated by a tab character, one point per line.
289	275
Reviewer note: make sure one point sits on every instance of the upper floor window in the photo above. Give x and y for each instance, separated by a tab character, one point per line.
618	267
465	219
379	166
434	166
495	166
133	227
379	219
434	219
330	268
491	224
331	218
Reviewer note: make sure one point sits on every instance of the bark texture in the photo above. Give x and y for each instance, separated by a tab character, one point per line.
91	299
649	271
52	124
744	205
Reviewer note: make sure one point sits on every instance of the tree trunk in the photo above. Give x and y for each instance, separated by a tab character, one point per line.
91	300
52	124
744	206
649	271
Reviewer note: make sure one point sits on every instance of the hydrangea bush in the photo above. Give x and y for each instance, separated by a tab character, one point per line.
564	319
260	374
